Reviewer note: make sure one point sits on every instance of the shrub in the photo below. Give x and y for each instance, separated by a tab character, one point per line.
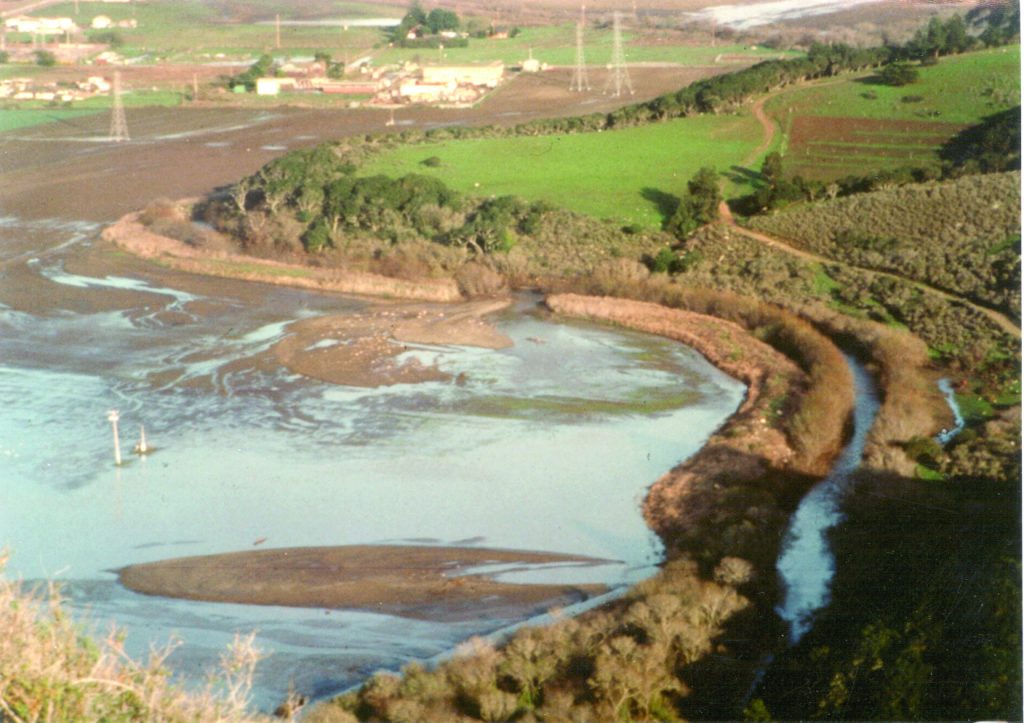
898	74
45	58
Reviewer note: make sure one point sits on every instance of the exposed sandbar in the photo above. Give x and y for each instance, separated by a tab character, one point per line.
363	349
426	583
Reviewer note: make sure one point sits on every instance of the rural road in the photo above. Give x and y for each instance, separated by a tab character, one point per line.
725	214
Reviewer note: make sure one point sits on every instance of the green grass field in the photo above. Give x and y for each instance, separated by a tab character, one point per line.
190	29
24	118
960	89
619	175
556	45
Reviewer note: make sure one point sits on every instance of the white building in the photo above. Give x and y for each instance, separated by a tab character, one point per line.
482	75
40	26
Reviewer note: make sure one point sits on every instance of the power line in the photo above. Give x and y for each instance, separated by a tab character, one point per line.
580	81
118	124
618	75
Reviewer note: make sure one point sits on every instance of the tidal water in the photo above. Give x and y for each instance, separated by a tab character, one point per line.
549	445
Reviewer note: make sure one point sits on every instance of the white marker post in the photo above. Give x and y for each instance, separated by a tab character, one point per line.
113	416
142	448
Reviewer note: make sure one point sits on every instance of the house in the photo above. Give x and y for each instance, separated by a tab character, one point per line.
423	92
40	26
488	76
273	86
101	22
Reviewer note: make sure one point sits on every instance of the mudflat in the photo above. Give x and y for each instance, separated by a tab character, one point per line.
421	582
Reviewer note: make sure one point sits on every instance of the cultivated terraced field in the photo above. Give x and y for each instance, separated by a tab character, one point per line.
833	129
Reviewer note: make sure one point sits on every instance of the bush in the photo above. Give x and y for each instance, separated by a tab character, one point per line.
45	58
898	74
431	162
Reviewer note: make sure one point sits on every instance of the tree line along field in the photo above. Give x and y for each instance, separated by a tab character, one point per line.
632	175
836	128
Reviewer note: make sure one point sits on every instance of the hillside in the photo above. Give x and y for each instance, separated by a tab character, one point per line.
962	236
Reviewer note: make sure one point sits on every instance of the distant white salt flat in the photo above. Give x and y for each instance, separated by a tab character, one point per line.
743	17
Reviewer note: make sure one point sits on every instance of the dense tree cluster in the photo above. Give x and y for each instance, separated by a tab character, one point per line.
622	663
991	146
698	206
424	28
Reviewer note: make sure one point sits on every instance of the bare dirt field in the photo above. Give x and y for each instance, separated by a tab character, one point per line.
426	583
824	147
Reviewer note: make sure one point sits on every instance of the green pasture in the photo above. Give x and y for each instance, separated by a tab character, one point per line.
24	118
556	45
189	29
960	89
620	175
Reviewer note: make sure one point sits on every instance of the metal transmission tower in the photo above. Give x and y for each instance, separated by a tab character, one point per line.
118	124
618	75
580	81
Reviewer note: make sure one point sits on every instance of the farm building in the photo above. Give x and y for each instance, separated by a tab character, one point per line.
481	75
273	86
40	26
344	88
423	92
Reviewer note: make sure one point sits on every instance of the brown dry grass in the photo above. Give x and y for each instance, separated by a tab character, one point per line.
52	672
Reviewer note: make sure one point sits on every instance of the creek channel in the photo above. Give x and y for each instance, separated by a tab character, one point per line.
548	445
806	565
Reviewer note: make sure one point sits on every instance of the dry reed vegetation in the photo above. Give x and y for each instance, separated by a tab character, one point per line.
53	672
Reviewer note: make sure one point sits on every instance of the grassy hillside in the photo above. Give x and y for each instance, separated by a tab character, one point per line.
962	236
855	125
629	175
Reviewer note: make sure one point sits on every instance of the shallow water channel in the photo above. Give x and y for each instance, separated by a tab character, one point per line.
548	445
806	565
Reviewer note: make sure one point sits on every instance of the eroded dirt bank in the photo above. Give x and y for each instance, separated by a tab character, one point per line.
426	583
129	234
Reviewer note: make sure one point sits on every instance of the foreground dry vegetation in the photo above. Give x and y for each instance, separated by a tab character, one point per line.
53	672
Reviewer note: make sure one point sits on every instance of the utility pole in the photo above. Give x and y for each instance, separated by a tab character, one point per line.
618	75
118	123
113	416
277	33
195	87
579	81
